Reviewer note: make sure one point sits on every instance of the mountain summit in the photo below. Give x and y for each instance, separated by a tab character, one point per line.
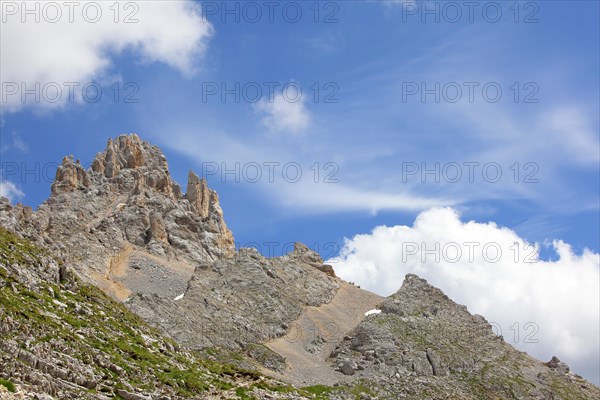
191	316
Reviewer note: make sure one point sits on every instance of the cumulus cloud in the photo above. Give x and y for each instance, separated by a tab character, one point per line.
77	43
10	191
495	273
284	114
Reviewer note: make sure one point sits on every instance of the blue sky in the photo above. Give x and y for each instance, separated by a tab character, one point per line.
362	117
372	55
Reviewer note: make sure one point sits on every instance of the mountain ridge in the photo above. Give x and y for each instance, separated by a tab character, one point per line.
124	226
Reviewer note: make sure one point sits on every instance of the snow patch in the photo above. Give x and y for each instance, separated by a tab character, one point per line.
372	312
179	297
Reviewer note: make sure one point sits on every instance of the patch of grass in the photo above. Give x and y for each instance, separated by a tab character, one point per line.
358	390
241	393
319	391
8	385
185	383
275	388
14	249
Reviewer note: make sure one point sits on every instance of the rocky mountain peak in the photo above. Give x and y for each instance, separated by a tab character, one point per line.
424	345
128	163
124	225
132	166
126	201
128	152
415	295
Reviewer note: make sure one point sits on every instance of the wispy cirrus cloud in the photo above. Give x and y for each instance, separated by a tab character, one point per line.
10	191
15	142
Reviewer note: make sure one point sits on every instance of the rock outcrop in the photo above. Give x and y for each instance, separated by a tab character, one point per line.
423	345
198	194
126	198
70	176
232	302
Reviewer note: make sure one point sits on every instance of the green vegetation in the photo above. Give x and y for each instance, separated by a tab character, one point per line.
14	249
319	391
8	385
242	393
90	324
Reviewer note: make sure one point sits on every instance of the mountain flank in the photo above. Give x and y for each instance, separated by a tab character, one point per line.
121	285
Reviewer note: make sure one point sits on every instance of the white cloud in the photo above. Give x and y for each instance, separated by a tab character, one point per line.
318	197
330	191
284	114
10	191
18	142
171	32
569	130
560	296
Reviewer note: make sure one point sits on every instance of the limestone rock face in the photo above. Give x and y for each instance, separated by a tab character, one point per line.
231	302
157	230
198	195
70	176
127	199
131	162
125	152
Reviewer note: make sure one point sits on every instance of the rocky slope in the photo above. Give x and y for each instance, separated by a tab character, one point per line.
125	226
61	338
167	259
423	345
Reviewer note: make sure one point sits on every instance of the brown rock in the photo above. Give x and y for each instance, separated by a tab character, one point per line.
198	195
328	269
157	229
70	176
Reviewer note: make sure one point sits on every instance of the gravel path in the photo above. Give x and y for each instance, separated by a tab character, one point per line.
314	335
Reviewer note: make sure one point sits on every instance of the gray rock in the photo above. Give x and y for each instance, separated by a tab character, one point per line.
132	396
558	366
347	368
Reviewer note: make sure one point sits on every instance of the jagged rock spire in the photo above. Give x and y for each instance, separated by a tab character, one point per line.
125	152
127	196
198	194
135	165
70	176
